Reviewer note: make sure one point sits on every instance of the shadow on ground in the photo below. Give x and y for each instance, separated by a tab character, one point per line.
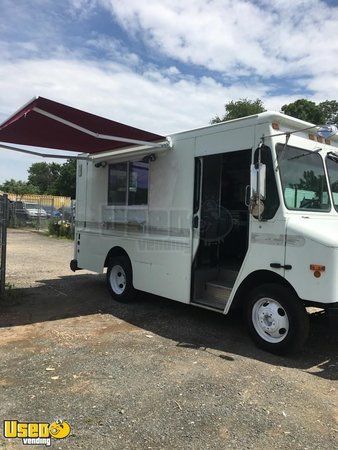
80	295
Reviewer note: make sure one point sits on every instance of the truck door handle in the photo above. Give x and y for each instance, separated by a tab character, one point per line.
279	266
195	222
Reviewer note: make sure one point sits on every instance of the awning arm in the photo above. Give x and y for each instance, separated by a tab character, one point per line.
127	153
94	134
43	155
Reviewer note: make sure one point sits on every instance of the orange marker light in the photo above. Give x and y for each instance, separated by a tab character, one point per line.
312	137
275	125
317	268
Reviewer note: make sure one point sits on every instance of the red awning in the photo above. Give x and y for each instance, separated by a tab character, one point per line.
48	124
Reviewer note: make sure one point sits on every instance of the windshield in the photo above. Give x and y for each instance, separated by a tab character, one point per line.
332	168
303	179
32	206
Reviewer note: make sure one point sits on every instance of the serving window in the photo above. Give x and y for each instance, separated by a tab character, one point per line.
128	183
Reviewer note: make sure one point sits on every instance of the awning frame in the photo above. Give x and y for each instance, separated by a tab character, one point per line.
43	155
88	134
138	147
128	153
94	134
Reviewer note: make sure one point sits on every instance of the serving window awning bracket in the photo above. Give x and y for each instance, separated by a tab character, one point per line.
130	153
42	155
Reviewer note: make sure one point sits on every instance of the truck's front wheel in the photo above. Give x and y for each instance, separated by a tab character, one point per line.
278	321
120	279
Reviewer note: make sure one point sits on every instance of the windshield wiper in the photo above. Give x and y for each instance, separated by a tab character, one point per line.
308	152
333	156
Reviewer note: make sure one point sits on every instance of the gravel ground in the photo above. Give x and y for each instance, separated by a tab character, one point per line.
152	374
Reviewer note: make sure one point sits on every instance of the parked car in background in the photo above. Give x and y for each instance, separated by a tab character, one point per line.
28	211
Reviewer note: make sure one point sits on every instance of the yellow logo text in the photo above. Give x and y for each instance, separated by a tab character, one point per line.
36	433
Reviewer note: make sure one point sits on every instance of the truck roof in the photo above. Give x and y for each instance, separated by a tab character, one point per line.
255	119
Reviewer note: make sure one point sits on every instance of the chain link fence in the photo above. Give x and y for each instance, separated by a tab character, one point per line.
4	216
43	213
46	213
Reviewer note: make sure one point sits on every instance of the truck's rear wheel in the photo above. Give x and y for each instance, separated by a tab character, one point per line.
120	279
278	321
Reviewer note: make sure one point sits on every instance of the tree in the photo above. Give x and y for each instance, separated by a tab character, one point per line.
305	110
44	176
46	179
66	182
18	187
329	109
240	108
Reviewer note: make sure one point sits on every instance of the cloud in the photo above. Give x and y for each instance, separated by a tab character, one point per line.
114	49
151	100
267	38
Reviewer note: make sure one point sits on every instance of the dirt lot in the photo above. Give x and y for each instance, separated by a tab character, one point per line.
153	374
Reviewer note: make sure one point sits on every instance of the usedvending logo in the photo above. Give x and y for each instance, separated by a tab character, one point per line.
36	433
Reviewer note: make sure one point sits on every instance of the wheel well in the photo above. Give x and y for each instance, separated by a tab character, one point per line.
255	279
113	252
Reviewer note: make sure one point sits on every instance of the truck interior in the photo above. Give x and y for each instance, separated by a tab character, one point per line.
224	226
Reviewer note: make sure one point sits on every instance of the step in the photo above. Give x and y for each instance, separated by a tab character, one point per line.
211	303
227	275
218	290
216	295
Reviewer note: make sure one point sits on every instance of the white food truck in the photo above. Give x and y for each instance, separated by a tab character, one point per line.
239	214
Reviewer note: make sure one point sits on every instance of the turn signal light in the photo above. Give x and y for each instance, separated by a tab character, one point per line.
275	125
317	267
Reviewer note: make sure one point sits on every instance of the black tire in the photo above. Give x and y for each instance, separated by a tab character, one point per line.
291	309
127	292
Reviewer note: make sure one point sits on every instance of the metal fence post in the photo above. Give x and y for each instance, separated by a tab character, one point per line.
3	245
39	215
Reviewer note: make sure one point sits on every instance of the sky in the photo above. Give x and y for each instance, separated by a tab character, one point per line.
163	65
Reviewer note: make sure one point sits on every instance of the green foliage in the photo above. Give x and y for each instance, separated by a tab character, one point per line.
319	114
60	228
305	110
47	179
240	108
329	109
44	176
18	187
66	182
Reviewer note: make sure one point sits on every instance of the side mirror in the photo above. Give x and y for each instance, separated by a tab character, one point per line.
258	180
257	189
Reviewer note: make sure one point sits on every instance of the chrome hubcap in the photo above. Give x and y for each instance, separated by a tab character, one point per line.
118	279
270	320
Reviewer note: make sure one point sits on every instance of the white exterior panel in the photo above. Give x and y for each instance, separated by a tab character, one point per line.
159	238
